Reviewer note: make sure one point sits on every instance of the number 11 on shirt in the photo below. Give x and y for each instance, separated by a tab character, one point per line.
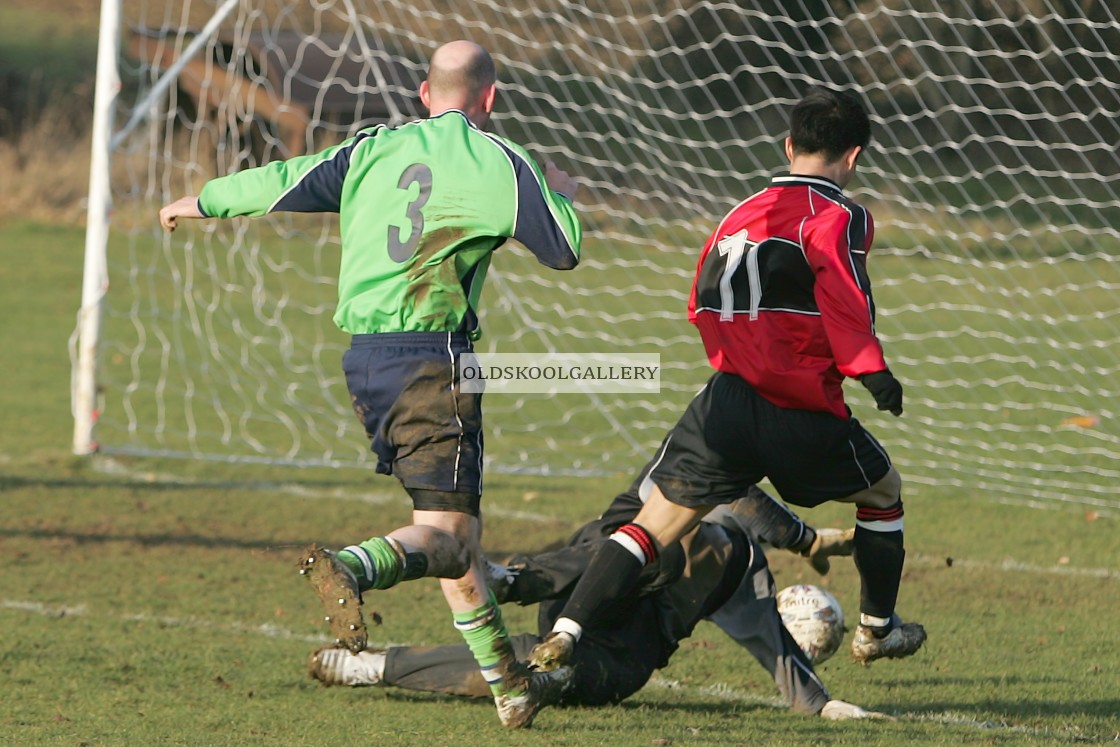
733	247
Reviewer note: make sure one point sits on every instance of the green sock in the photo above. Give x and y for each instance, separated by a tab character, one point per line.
378	562
485	633
381	562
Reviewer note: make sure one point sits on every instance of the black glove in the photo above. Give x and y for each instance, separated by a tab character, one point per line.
886	390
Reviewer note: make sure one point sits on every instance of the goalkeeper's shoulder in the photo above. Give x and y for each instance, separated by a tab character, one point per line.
516	150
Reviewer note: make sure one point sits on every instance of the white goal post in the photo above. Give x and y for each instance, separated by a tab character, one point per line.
992	176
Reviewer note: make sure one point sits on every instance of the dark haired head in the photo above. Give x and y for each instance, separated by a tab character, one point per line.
829	123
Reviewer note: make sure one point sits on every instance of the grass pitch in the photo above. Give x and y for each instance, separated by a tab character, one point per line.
157	602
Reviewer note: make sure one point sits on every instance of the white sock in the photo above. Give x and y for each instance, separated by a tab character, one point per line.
568	626
873	622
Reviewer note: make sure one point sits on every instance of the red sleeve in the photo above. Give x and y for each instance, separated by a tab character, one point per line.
696	277
836	244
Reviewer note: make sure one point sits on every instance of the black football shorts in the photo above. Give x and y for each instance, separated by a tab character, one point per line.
730	438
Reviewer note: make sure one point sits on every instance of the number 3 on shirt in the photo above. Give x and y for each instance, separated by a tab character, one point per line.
417	173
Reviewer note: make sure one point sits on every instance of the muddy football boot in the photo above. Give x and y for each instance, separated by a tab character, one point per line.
899	640
545	688
334	665
337	588
552	653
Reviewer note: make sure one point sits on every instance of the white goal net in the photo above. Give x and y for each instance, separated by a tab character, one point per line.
992	176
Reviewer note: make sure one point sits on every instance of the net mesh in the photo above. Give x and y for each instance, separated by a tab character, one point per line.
992	179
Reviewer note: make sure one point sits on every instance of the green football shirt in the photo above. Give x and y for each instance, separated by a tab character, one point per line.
421	208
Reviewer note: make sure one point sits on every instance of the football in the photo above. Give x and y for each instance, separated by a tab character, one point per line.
814	618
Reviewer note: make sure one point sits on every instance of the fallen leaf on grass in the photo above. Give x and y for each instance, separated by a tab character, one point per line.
1082	421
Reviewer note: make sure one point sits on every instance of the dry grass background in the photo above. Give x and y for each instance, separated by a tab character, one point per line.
46	176
46	108
45	116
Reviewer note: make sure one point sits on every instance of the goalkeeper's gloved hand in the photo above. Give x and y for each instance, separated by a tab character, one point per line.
886	390
829	543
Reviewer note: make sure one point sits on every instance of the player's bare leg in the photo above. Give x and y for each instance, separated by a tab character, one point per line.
338	579
445	545
476	613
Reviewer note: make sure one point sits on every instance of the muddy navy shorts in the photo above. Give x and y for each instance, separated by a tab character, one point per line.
731	437
404	387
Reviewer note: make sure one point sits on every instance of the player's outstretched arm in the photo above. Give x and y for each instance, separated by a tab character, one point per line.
184	207
768	520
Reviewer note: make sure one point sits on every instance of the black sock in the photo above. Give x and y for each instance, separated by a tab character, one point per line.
878	557
612	573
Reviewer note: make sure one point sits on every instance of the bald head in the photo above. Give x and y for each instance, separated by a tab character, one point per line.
461	76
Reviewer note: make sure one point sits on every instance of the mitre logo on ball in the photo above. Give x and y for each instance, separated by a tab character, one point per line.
814	618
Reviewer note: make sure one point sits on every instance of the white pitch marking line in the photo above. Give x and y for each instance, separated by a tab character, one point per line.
729	693
110	466
1014	566
718	690
41	609
113	467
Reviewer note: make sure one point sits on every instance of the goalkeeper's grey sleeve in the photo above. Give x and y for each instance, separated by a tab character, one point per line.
750	616
765	518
